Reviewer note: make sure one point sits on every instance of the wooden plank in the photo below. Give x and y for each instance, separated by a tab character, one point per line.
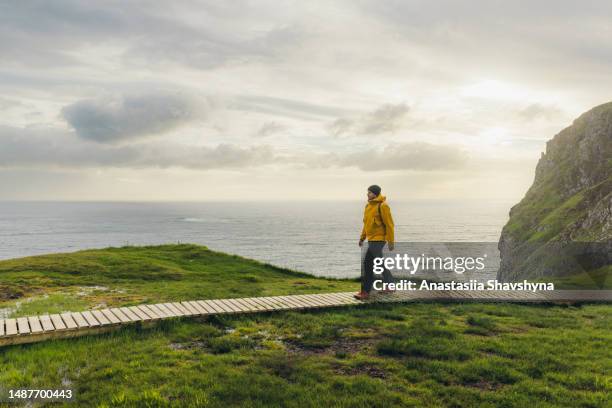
68	321
226	305
99	316
260	305
275	303
212	304
252	305
293	302
198	306
11	327
91	320
326	298
195	308
130	314
279	303
35	326
287	304
174	309
46	323
23	326
298	304
191	309
120	315
237	306
182	308
229	305
167	312
247	306
322	300
219	305
149	312
342	299
344	295
266	302
110	316
207	306
162	314
240	308
141	314
313	301
170	311
2	328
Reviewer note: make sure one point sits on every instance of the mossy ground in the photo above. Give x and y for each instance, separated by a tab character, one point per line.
417	354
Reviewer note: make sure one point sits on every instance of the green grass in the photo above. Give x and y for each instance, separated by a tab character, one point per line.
376	355
594	279
144	274
542	215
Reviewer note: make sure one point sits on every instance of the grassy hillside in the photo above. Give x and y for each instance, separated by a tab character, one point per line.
418	354
144	274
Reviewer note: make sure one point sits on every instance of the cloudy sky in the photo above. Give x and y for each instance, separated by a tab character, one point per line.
255	100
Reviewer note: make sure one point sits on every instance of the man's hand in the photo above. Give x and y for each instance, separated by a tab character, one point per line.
391	246
361	242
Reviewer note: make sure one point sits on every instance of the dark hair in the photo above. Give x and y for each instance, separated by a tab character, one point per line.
374	189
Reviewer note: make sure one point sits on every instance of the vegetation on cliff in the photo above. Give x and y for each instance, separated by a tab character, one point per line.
568	207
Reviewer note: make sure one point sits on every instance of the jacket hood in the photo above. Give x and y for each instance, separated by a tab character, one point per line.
378	199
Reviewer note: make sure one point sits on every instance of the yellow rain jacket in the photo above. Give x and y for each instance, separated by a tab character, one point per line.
376	228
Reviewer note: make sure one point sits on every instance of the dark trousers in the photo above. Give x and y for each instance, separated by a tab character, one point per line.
374	250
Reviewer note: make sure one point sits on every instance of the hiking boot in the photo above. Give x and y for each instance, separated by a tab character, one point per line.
361	295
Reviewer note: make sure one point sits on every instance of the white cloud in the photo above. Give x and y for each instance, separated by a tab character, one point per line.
419	156
387	118
127	117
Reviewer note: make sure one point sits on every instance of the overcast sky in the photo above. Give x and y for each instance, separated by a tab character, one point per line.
253	100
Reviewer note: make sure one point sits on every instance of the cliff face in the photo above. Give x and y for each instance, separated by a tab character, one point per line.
567	210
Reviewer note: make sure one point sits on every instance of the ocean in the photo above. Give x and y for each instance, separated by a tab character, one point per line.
318	237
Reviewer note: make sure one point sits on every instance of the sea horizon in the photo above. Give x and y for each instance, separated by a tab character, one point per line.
313	236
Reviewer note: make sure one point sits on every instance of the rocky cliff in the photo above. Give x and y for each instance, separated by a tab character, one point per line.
563	225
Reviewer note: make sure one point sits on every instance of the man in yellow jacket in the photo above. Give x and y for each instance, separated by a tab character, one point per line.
378	229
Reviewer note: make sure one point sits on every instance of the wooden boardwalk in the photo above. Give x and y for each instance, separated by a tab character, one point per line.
71	324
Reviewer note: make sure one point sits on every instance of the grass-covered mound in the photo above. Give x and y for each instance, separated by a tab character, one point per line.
144	274
416	354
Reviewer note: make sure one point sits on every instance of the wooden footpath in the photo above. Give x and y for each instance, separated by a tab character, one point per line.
71	324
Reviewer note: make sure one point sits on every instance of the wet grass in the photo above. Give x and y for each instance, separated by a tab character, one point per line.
358	356
375	355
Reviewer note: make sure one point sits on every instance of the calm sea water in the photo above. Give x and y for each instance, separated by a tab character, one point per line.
315	237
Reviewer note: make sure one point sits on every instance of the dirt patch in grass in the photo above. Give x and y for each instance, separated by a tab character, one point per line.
341	348
369	370
188	345
9	292
485	385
